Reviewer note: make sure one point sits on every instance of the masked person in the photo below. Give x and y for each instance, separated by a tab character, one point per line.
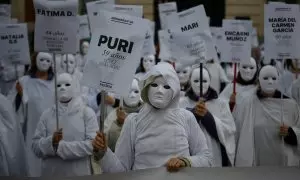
289	75
268	124
81	57
146	64
218	75
67	151
132	103
213	116
184	74
12	147
161	134
295	91
245	81
34	93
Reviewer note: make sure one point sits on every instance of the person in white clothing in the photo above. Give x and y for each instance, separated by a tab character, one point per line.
289	75
67	151
161	134
146	64
184	74
213	116
269	123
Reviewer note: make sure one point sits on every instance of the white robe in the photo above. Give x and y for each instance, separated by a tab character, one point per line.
217	74
79	126
259	143
9	76
295	91
38	95
285	82
12	147
225	127
240	91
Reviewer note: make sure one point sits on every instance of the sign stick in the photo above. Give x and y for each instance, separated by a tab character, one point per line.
55	88
102	111
201	79
234	78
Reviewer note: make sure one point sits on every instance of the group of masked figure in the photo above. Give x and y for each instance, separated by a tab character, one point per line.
164	120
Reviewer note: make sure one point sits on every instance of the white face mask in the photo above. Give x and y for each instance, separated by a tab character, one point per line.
134	95
268	79
68	65
160	93
43	61
184	74
195	81
85	47
296	63
229	72
64	87
148	63
248	69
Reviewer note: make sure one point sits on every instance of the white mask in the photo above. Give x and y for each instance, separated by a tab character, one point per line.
296	63
65	87
248	69
183	74
85	47
160	93
229	72
268	79
134	95
148	62
195	81
68	65
43	61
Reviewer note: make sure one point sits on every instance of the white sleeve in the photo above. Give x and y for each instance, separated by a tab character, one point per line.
41	142
223	76
123	158
80	149
109	121
226	93
201	155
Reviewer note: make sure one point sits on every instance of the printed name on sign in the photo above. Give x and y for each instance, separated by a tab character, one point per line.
189	27
116	43
283	24
236	36
44	12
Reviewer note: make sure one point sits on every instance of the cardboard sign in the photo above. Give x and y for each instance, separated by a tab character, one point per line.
84	29
115	51
237	39
14	44
255	42
5	13
56	26
282	31
149	47
217	36
165	52
165	10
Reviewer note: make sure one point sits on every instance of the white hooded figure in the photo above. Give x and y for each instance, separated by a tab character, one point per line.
132	103
218	75
160	131
229	70
217	123
35	94
290	74
245	81
81	57
184	74
268	124
12	147
78	125
146	64
295	91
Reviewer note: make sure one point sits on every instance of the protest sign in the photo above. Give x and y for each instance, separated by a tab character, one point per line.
93	10
115	51
164	45
217	35
236	44
84	29
56	26
281	31
165	10
254	38
194	22
5	13
149	47
14	44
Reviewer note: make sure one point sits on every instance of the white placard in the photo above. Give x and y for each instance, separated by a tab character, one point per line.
165	10
217	36
5	13
164	45
281	31
115	49
56	26
93	10
254	38
237	38
84	29
149	47
14	44
194	22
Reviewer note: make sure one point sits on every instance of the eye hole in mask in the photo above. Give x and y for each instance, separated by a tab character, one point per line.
251	68
196	81
41	60
184	72
205	81
136	92
71	62
68	85
167	87
274	78
58	85
153	85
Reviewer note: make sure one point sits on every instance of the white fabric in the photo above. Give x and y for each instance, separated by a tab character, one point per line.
8	76
295	91
229	70
140	75
248	69
285	82
12	148
218	75
79	126
44	61
38	95
240	91
259	143
196	83
225	127
153	136
268	79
